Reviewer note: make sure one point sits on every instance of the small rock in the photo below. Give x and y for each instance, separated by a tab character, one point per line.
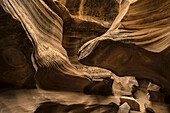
141	95
124	86
153	87
134	105
124	108
154	93
148	107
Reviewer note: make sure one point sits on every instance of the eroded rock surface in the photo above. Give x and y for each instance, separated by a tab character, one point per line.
57	33
124	86
128	35
29	101
124	108
130	60
154	93
16	68
133	103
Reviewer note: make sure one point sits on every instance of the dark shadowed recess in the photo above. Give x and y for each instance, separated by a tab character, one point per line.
16	68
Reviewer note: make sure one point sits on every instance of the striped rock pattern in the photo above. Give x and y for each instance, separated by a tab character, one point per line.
143	23
137	43
44	27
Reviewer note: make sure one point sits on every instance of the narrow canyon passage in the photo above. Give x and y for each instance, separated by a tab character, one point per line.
84	56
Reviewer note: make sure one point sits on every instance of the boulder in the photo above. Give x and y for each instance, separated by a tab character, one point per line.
124	108
124	86
154	93
134	105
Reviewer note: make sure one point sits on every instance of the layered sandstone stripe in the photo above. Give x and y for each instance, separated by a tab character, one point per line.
144	23
44	28
137	43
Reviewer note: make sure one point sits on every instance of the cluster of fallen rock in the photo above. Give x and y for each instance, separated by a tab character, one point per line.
146	98
130	96
138	95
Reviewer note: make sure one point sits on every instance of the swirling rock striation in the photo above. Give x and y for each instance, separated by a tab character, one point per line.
136	44
42	21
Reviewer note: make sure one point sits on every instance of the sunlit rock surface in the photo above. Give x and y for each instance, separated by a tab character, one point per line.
136	51
124	108
139	29
29	101
133	103
154	93
44	28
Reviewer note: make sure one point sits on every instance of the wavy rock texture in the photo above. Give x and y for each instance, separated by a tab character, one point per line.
43	22
44	28
87	22
143	23
52	28
134	28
